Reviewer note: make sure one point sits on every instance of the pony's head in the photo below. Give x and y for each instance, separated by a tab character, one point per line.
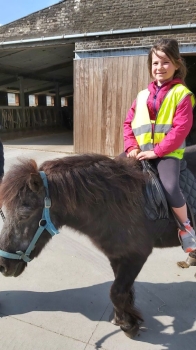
22	193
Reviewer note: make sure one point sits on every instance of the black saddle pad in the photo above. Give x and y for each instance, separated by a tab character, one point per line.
156	206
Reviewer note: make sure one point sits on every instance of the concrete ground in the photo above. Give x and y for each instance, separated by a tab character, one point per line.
61	301
61	141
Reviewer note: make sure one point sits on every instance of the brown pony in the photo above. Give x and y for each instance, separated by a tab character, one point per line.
100	197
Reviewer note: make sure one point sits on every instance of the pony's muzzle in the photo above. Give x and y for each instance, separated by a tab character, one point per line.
3	268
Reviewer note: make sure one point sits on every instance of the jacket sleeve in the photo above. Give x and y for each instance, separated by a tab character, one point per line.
181	126
1	161
129	138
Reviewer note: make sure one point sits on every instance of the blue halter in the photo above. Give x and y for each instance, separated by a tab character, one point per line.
44	224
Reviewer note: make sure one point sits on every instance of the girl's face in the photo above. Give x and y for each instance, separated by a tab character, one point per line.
162	67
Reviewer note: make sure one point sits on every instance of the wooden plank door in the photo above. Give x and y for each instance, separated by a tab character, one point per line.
104	89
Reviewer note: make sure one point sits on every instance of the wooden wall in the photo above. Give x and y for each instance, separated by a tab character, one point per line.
104	89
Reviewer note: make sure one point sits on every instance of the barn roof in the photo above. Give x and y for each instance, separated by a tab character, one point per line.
84	16
40	47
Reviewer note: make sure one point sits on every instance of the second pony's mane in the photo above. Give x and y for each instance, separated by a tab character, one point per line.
81	181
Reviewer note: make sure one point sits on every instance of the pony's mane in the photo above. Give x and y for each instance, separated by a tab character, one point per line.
15	180
93	179
76	181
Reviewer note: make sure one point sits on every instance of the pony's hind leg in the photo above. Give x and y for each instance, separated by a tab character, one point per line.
122	293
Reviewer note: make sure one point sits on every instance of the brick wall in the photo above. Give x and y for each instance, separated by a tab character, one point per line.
80	16
136	40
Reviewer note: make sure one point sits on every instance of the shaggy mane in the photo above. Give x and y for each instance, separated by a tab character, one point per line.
94	180
15	180
88	180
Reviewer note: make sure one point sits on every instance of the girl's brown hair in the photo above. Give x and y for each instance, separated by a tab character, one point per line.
171	49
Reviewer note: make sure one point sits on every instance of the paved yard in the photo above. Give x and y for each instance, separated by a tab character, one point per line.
61	301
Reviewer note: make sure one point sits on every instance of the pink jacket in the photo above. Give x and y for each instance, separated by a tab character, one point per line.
182	120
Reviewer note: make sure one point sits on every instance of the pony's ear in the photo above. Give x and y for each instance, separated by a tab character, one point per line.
35	182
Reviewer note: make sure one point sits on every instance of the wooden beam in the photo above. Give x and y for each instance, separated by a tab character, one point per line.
8	81
54	67
33	76
41	89
28	75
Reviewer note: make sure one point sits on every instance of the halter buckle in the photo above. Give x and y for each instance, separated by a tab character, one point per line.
23	256
42	223
47	202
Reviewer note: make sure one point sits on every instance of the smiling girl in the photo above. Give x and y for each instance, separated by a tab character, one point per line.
158	123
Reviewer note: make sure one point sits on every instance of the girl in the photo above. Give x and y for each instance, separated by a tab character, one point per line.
158	123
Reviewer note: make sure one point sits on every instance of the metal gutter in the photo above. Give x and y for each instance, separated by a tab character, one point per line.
97	34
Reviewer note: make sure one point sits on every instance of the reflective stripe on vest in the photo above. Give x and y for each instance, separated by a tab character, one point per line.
142	125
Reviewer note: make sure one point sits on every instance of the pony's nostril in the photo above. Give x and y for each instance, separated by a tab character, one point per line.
2	269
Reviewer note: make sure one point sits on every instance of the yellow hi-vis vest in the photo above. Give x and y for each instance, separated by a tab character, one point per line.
142	125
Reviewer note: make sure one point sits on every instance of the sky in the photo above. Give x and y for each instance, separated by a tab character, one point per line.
12	10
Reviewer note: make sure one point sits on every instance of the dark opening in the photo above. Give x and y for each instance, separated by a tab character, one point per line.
191	84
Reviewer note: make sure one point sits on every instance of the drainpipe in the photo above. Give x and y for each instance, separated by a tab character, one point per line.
97	34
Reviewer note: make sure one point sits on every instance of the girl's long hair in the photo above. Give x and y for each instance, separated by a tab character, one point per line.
171	49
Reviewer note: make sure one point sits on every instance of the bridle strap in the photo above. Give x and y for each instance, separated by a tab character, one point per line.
44	224
2	215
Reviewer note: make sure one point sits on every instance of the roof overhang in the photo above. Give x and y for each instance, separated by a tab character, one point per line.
42	68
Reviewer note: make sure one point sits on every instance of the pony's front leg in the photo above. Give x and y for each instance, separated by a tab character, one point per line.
122	293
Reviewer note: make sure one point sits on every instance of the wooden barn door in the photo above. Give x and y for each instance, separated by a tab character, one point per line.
104	89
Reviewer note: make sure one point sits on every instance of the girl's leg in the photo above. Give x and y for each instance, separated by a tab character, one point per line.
169	172
181	213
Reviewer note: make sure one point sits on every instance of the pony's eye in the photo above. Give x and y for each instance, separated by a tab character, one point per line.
24	214
21	218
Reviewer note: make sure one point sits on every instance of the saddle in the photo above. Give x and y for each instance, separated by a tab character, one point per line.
156	206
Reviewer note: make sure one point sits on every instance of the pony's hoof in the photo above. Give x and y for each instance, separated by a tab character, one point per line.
115	322
131	332
113	319
191	260
192	257
183	264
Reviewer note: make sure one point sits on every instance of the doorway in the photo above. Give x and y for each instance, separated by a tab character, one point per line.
191	84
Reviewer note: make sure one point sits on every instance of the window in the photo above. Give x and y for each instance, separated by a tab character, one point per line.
49	100
33	100
64	101
13	99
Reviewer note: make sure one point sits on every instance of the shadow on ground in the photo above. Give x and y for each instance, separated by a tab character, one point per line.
169	309
60	137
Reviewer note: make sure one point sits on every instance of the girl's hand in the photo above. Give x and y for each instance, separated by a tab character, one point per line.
133	153
146	155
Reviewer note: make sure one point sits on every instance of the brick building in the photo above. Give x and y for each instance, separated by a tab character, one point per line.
95	51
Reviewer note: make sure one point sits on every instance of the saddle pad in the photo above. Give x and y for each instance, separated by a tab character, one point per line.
156	206
155	202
